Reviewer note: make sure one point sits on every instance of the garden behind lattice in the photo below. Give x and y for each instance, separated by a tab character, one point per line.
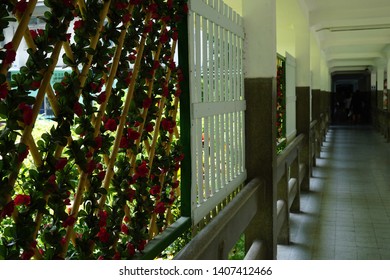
103	180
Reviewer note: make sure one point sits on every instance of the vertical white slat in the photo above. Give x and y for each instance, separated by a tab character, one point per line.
213	81
193	88
229	15
205	76
199	169
230	151
198	98
236	98
198	60
221	97
232	93
241	97
217	98
205	98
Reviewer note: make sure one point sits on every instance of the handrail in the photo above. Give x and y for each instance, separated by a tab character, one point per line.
287	156
222	233
313	124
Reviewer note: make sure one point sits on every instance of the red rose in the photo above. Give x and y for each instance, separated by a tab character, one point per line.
102	97
155	190
148	28
168	125
21	6
120	6
126	18
124	143
60	164
166	18
98	142
103	216
130	249
149	127
10	56
172	65
179	158
52	180
62	241
110	125
177	92
146	103
185	8
78	24
26	255
156	64
34	34
35	85
3	91
22	199
132	134
165	91
103	235
117	256
175	184
141	245
69	221
124	229
130	194
22	155
164	38
27	113
91	166
175	35
101	175
160	208
142	169
68	3
8	209
78	109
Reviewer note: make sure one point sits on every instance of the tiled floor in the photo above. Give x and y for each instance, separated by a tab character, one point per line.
346	214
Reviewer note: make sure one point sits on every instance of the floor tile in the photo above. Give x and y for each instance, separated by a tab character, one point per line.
346	213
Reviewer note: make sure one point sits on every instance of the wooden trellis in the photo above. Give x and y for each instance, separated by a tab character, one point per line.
113	153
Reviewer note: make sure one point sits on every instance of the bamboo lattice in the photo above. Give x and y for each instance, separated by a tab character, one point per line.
103	180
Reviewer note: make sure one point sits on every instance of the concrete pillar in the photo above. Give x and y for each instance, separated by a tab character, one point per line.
303	82
260	94
380	83
315	61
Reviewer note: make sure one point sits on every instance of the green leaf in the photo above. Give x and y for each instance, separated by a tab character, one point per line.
34	174
102	191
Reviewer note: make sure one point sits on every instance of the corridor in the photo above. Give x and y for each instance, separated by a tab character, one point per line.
346	214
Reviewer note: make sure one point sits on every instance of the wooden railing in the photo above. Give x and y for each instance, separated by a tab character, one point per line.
290	172
217	239
382	123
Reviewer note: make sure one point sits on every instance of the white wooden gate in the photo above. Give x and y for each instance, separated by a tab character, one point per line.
216	40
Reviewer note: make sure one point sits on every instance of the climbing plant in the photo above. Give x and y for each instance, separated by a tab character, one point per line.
280	104
105	177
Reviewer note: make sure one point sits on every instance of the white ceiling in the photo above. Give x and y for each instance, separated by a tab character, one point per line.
353	34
